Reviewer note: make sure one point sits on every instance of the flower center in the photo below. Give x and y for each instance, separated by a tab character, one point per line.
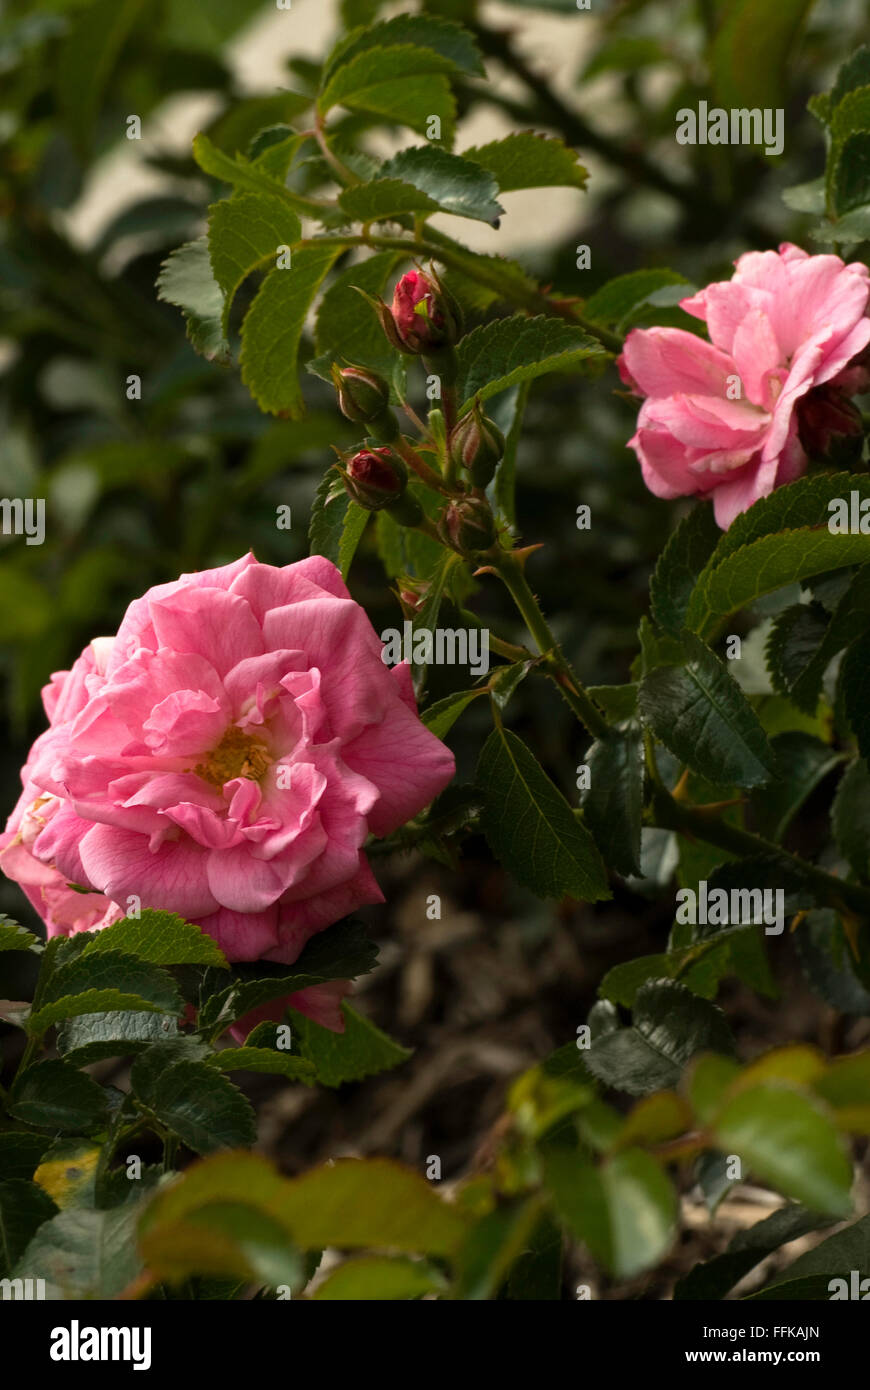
237	755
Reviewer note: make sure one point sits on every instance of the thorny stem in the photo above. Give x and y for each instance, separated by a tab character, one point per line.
426	474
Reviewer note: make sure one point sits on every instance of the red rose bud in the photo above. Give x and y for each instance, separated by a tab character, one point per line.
425	318
375	478
476	444
467	525
830	427
362	395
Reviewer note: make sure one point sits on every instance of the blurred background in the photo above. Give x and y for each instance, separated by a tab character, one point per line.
191	474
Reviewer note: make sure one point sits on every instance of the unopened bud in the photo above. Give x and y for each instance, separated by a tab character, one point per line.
830	427
476	444
467	525
375	478
424	315
363	396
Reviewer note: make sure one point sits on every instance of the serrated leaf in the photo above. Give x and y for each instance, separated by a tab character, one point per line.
16	938
828	964
90	1037
249	177
679	566
108	980
404	83
361	1050
263	1059
803	762
788	508
625	1210
699	713
245	233
234	130
453	44
163	938
384	199
346	327
526	159
454	184
613	804
205	1110
273	327
53	1095
670	1025
440	717
793	653
765	565
187	280
505	352
789	1140
530	826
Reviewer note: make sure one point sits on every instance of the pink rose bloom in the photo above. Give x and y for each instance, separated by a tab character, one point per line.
224	757
783	325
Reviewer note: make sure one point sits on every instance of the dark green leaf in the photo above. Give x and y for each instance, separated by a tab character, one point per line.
187	280
507	351
53	1095
613	805
850	818
361	1050
23	1208
670	1025
625	1210
526	159
714	1279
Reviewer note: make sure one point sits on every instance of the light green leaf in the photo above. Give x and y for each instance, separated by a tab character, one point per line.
246	233
378	1277
440	717
163	938
263	1059
187	280
361	1050
624	1211
526	159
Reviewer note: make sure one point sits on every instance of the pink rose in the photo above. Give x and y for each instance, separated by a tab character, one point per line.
784	324
225	757
417	313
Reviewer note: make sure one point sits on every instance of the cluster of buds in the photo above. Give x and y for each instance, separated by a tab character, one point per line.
423	319
377	480
476	444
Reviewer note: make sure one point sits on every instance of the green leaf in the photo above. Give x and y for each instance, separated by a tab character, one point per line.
828	964
108	980
163	938
383	200
452	183
803	762
835	1257
16	938
766	565
752	49
361	1050
793	650
789	1140
679	566
624	1211
235	129
530	826
85	1254
263	1059
452	44
799	504
90	1037
194	1101
500	354
377	1277
526	159
249	177
850	818
403	83
440	717
853	683
613	805
615	304
670	1025
246	233
21	1153
747	1249
23	1208
53	1095
492	1249
187	280
273	327
328	515
700	713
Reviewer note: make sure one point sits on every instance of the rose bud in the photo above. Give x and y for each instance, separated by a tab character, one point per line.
376	479
425	317
362	395
467	525
830	427
476	444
